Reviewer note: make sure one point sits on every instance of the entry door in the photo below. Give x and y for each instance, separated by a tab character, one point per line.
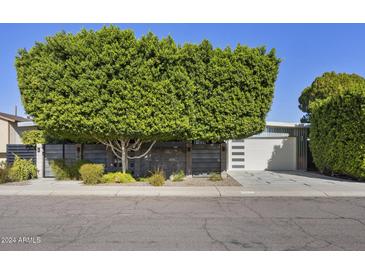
51	152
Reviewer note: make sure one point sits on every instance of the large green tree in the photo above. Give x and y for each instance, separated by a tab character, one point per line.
335	104
328	84
108	86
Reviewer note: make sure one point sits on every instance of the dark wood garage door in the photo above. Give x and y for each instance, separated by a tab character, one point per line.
206	158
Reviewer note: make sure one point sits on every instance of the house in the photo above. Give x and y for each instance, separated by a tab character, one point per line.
281	146
10	133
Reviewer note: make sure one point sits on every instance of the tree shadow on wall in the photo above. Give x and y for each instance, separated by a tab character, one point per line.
280	160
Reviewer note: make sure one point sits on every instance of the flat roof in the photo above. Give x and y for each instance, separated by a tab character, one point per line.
287	124
12	118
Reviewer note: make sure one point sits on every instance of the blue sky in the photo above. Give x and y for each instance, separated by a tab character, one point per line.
306	50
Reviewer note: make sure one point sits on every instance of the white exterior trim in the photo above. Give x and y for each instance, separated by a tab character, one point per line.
287	124
27	124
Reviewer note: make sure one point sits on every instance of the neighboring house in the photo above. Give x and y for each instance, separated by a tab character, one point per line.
10	133
281	146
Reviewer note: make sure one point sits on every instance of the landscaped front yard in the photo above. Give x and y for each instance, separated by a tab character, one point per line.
188	181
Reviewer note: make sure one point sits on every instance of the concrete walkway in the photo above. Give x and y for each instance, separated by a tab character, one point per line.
254	184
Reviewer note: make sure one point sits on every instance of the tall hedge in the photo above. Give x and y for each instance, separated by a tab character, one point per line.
337	134
112	87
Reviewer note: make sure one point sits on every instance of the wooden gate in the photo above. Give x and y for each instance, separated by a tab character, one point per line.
52	152
206	158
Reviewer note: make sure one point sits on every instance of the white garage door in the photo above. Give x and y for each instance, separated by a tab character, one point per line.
270	153
264	154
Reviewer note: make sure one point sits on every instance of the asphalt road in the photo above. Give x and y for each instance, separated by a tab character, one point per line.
168	223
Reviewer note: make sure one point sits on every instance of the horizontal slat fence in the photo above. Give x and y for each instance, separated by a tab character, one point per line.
23	151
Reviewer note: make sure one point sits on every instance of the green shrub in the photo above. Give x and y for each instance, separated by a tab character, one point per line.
22	170
74	169
337	134
64	171
215	177
60	170
117	177
157	178
178	176
4	173
33	137
91	173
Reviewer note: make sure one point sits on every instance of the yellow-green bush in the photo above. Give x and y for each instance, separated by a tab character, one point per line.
118	177
157	178
60	170
22	170
33	137
91	173
4	173
178	176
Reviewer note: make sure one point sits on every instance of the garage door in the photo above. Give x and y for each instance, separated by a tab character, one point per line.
270	153
264	154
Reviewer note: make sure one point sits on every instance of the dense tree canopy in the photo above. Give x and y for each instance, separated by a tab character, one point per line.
337	134
336	107
329	84
107	85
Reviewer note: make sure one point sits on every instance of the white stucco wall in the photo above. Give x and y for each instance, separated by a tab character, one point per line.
4	136
16	133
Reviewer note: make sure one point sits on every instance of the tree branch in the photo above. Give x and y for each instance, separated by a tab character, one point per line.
144	154
115	153
136	146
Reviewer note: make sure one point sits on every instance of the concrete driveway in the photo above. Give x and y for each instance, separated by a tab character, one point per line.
296	183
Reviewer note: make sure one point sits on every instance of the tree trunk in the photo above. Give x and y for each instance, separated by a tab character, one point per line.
124	157
121	148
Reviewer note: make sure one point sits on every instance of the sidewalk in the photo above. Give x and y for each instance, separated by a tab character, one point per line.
50	187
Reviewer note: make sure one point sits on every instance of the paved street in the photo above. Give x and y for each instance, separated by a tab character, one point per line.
181	223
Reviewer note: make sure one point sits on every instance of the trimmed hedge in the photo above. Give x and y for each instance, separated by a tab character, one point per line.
337	135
